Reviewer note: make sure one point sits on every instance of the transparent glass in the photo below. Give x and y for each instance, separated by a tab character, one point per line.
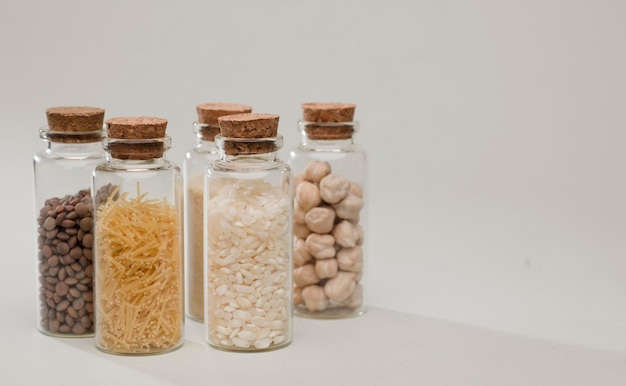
330	225
63	209
248	212
194	167
138	253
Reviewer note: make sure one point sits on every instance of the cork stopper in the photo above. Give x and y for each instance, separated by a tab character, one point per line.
249	126
326	114
74	124
208	114
136	138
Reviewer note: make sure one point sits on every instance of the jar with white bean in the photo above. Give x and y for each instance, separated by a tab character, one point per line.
194	166
248	234
330	175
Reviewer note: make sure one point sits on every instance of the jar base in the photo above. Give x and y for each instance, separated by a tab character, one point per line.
67	335
141	352
331	313
194	318
249	350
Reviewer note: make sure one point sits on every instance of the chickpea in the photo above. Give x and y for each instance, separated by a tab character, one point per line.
297	295
356	189
326	268
305	275
340	287
349	207
316	170
298	214
356	299
320	246
346	234
301	230
359	230
350	259
334	188
300	255
320	219
307	196
314	298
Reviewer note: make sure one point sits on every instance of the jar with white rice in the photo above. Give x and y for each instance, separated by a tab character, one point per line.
248	235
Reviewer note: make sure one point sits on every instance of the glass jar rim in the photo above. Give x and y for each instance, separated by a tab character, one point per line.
198	126
166	141
277	140
302	125
47	134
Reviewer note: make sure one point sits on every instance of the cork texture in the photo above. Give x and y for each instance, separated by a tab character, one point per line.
75	119
209	113
326	113
253	126
136	128
249	125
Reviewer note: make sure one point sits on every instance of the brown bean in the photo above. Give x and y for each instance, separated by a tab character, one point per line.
54	325
53	261
62	306
72	312
88	296
76	252
78	303
81	209
86	321
85	224
63	236
75	292
61	288
68	223
65	264
50	224
60	218
63	248
87	240
53	271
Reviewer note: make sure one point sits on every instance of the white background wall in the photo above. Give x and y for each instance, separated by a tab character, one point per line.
496	133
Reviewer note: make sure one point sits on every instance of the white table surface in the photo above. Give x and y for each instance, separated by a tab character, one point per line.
381	347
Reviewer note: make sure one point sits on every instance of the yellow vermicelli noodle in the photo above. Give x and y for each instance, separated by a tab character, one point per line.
138	275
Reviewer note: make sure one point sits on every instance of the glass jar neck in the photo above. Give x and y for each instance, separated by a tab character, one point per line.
137	153
128	164
78	148
332	135
72	142
205	146
248	153
205	134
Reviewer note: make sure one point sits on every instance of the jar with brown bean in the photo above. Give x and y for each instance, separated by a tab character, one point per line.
330	176
63	219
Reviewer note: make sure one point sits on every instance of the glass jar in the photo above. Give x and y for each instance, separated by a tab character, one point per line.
194	167
248	238
64	209
138	241
330	175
